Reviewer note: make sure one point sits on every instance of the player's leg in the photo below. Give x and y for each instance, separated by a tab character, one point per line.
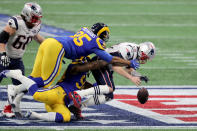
7	110
102	77
48	61
96	90
59	113
54	103
15	64
50	96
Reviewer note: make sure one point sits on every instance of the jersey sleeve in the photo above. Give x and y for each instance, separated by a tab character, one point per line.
103	55
13	23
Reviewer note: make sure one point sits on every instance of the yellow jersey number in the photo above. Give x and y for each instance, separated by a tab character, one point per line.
78	38
80	84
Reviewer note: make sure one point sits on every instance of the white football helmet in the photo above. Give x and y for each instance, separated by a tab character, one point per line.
32	12
146	52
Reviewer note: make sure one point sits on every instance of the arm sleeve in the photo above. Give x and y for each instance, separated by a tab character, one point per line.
104	55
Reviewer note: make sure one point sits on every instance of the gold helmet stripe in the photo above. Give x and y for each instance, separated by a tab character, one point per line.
102	30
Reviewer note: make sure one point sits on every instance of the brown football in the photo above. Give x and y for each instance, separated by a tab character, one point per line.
142	95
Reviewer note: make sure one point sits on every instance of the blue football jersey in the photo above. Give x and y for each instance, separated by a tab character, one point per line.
70	82
83	43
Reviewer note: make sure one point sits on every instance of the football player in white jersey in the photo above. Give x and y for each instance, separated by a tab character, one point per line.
129	51
19	31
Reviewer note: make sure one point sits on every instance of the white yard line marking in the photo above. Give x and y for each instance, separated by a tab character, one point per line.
120	13
110	2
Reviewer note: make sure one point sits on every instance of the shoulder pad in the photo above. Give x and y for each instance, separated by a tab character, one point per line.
101	44
13	23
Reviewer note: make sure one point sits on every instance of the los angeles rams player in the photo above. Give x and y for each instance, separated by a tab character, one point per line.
56	98
19	31
142	52
51	52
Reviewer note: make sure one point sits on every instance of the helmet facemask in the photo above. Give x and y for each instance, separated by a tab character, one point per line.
146	52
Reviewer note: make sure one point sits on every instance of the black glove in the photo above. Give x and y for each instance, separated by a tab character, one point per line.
144	78
4	59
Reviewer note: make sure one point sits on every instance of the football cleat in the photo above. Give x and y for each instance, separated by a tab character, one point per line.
28	114
76	98
14	99
7	111
76	111
16	105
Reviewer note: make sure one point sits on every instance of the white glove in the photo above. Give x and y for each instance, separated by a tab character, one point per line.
4	59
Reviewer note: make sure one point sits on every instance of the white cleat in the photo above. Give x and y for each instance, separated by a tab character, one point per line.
14	99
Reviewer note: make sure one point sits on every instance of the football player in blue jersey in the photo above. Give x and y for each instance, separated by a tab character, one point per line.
56	98
48	61
104	76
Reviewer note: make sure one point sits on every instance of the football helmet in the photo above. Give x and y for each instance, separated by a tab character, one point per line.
101	30
32	13
146	52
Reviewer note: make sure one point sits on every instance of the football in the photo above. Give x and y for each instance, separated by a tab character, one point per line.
142	95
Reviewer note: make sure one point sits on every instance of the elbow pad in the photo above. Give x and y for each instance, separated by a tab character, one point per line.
4	36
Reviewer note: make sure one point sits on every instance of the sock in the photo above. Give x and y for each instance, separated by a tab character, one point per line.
50	116
39	81
94	100
96	90
32	89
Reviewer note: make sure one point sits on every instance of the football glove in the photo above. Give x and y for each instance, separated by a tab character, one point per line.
134	64
144	78
4	59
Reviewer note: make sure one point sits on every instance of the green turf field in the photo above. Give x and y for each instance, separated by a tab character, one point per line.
170	24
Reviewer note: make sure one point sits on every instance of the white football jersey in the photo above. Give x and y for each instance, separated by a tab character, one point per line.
125	50
16	45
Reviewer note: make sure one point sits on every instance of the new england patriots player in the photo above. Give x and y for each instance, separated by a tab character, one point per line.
142	52
19	31
51	52
56	98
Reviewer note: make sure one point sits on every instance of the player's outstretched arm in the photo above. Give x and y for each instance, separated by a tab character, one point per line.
116	61
124	73
88	66
39	38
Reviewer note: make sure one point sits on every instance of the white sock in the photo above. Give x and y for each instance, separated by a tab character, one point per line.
50	116
96	90
94	100
26	82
